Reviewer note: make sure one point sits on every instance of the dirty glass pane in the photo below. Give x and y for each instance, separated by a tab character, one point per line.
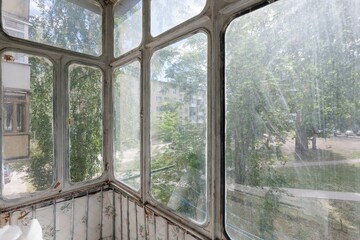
8	110
27	96
85	122
293	121
166	14
127	26
127	128
178	126
20	116
70	24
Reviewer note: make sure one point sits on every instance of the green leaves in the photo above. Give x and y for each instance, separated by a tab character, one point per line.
86	122
64	24
169	127
41	124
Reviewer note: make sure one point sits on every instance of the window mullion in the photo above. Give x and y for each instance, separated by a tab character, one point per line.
216	110
108	48
60	123
145	103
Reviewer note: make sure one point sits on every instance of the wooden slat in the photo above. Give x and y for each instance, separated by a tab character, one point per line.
118	217
175	232
124	218
141	228
150	224
45	217
94	217
161	228
64	220
108	214
80	218
132	220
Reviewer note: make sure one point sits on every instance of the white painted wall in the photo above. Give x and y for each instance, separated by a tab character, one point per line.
15	75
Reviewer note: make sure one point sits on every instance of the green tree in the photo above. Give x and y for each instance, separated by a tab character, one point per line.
181	70
287	82
257	117
85	122
127	125
58	24
168	126
68	25
41	124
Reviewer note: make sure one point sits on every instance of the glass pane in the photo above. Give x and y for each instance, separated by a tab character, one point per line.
85	122
8	107
178	126
28	155
166	14
127	26
70	24
19	117
127	126
292	121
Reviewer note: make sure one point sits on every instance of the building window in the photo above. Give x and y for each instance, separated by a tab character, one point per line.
286	125
15	26
20	113
127	26
178	147
127	125
292	121
192	111
14	108
72	25
85	122
9	117
167	14
28	123
159	98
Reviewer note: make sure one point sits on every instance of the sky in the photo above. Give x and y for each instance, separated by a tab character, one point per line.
34	10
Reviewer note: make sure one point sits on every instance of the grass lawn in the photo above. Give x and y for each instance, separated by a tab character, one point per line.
337	177
328	149
297	217
340	177
303	219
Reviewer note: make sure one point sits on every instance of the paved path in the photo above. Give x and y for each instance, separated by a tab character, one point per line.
299	193
319	194
315	164
16	186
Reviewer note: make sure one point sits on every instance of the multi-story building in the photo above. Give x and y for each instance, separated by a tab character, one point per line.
192	110
16	84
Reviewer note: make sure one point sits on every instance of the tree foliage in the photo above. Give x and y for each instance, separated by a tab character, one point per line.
291	74
64	24
70	26
85	122
41	124
182	68
284	80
